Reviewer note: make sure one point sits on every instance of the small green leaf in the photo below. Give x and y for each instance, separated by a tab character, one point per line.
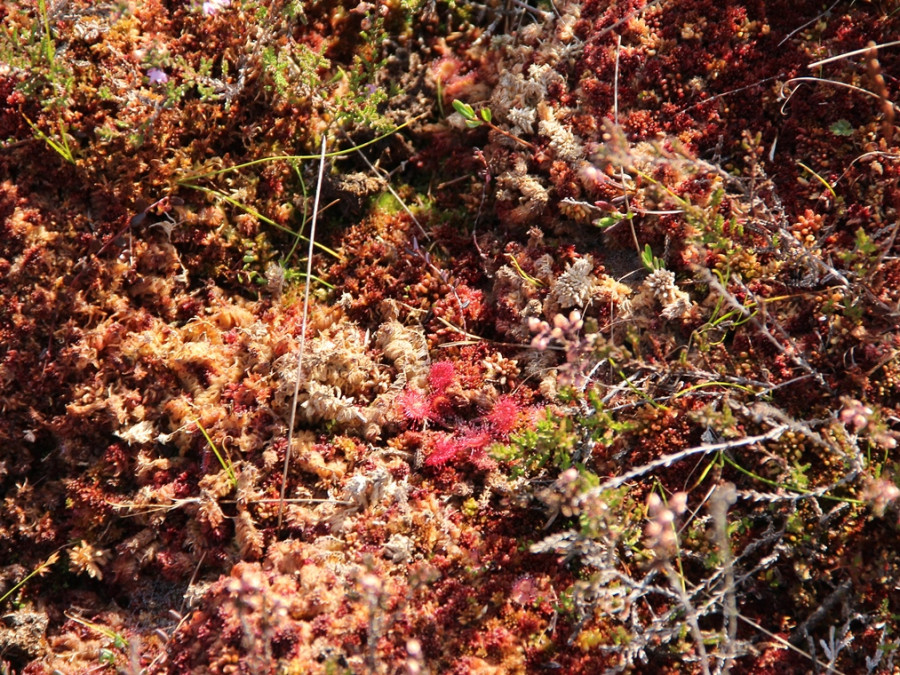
607	221
464	109
651	262
841	128
486	114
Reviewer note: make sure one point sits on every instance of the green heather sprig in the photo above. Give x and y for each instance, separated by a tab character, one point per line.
50	80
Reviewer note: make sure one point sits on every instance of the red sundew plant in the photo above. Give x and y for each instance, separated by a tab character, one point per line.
504	415
415	406
466	444
445	448
441	375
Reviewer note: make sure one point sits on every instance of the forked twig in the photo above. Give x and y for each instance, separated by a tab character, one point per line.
668	460
787	645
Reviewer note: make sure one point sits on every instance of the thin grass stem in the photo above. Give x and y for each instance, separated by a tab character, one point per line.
303	323
279	158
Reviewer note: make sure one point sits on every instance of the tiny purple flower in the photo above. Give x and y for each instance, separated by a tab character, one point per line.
210	7
157	76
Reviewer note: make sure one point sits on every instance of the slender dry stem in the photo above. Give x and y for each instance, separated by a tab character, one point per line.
309	258
723	498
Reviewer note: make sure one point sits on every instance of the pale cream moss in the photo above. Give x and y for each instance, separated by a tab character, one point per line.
610	290
522	100
579	287
659	289
574	288
543	75
564	144
517	298
522	120
531	194
345	381
514	91
140	433
534	195
339	379
568	15
543	268
407	348
85	559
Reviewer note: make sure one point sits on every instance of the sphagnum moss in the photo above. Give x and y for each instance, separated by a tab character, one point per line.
615	391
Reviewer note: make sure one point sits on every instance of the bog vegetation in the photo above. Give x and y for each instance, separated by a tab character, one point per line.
432	336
